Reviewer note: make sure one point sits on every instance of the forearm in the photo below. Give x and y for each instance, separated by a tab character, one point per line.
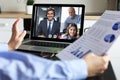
32	67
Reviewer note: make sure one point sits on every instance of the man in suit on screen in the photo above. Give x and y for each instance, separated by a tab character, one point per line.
49	28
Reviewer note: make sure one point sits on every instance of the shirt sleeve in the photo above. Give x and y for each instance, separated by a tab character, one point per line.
24	66
3	47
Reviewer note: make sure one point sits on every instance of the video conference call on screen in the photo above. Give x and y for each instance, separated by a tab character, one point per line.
54	22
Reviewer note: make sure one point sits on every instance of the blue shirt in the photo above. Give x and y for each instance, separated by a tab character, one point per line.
23	66
75	19
3	47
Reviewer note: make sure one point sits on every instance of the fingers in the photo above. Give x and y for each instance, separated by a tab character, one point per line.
15	30
96	64
16	24
106	59
105	62
22	35
89	55
16	37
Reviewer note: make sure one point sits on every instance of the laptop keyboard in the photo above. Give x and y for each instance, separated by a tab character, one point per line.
46	44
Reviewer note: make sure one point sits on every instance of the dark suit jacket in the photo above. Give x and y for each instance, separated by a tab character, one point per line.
42	28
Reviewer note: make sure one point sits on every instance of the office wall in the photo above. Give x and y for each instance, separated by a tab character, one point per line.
92	6
12	5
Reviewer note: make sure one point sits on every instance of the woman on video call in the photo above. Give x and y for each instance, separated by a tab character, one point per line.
71	32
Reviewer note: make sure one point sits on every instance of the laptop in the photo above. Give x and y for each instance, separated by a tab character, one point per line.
39	41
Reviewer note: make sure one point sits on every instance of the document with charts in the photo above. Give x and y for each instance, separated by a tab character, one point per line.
98	39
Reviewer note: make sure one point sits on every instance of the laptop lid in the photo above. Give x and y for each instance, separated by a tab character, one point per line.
61	21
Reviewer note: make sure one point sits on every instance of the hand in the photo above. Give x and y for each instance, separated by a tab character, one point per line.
17	36
96	64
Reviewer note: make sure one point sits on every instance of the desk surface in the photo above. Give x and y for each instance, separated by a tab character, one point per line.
14	15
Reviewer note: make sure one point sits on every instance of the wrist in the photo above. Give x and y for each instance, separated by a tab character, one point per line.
80	70
9	47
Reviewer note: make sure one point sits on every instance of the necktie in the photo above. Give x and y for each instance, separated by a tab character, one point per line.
49	28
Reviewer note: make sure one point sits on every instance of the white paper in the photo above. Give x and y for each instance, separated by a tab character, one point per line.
98	39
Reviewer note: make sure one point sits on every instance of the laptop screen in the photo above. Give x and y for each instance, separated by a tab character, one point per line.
57	22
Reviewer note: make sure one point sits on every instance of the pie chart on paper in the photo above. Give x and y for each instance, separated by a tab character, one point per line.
116	26
109	38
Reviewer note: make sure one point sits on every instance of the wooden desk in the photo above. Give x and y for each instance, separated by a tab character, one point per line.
14	15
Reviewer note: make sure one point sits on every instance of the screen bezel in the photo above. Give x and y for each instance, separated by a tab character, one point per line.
61	5
118	5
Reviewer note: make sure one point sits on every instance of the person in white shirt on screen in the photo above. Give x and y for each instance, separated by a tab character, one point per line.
21	66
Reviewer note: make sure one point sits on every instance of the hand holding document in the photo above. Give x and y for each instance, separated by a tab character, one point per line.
98	39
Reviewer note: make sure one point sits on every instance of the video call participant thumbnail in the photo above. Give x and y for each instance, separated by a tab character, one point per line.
71	32
72	18
48	27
